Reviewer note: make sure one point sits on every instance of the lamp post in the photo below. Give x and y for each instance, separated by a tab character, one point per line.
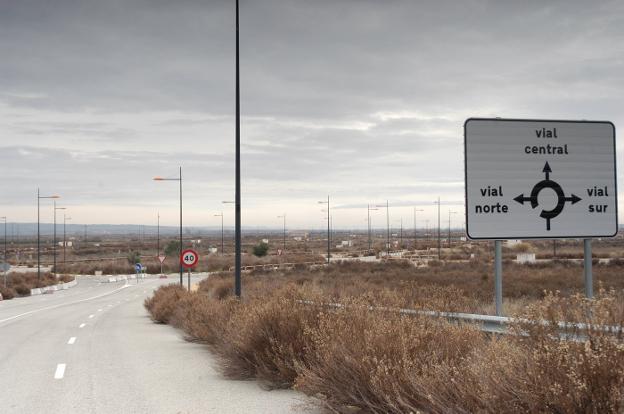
54	244
180	252
221	215
65	218
415	228
449	228
284	217
387	227
368	210
39	197
439	237
328	229
5	238
237	196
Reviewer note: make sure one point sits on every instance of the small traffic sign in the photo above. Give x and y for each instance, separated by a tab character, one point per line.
4	267
540	179
138	267
189	258
161	258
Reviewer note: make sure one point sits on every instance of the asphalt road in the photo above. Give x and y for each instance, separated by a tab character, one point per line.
93	349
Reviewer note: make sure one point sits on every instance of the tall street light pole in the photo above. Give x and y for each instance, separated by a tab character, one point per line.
39	197
237	198
415	228
65	218
370	241
449	226
5	238
439	237
284	217
387	226
328	229
221	215
54	245
180	250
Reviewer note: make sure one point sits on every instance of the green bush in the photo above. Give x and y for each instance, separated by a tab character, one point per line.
261	249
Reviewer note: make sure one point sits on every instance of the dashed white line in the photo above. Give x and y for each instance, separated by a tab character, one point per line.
71	341
60	371
91	316
82	325
99	310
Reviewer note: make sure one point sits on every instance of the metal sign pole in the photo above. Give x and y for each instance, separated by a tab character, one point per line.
498	276
189	279
587	251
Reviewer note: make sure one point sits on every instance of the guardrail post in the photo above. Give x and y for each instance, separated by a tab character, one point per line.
498	276
587	261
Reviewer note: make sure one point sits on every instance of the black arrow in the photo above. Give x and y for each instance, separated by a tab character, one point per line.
547	170
573	198
521	199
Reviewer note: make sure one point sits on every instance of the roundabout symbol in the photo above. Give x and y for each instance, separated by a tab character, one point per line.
561	198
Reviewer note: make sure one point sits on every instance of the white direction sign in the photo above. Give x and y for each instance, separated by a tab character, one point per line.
540	179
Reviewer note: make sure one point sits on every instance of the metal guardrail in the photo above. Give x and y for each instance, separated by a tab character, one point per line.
490	323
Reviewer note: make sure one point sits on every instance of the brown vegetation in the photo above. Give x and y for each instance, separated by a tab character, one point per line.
20	284
380	361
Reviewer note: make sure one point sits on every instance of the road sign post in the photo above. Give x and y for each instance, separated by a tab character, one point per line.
161	259
189	259
531	179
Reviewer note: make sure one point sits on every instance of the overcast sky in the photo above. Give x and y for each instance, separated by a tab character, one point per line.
359	99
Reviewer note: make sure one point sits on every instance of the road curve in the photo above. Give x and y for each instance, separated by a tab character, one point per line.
93	349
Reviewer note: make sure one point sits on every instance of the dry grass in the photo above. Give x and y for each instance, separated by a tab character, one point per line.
20	284
351	358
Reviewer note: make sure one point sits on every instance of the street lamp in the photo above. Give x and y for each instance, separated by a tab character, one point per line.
387	227
328	229
39	197
368	210
5	238
65	218
54	245
415	228
180	255
439	239
284	217
400	231
449	232
221	215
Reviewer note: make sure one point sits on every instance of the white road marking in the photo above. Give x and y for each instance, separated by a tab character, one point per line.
59	305
60	371
110	305
82	325
71	341
99	310
91	316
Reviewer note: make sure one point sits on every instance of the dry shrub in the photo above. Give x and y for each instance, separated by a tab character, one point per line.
204	319
7	292
583	375
22	289
162	305
265	338
381	362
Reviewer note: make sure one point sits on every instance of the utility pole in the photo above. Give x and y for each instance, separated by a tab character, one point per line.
439	236
284	217
65	218
368	208
449	226
415	228
328	229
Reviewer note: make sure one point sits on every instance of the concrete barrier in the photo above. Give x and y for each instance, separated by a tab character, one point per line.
53	288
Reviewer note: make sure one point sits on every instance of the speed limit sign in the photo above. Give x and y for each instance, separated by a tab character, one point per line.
189	258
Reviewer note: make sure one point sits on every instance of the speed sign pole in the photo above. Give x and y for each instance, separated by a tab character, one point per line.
189	259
